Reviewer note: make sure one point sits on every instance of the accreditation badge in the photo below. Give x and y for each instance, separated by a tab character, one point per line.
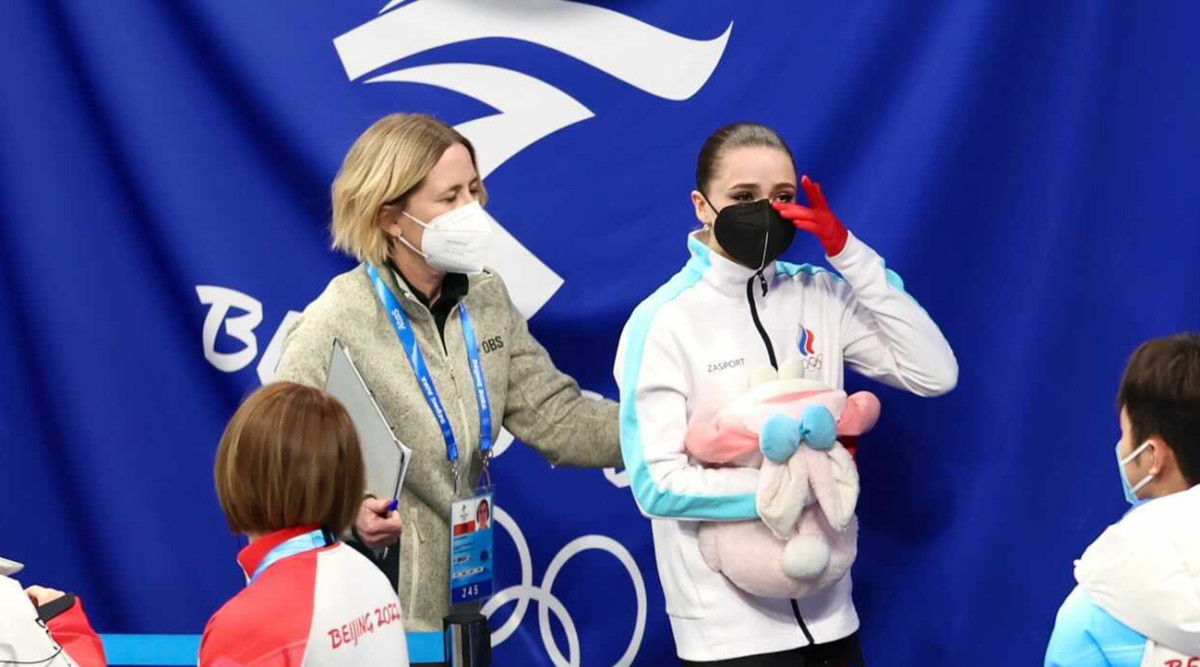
471	549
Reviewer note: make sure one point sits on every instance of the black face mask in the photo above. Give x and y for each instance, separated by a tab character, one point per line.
753	233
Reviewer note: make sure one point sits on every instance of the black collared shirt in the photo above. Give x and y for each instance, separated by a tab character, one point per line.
454	288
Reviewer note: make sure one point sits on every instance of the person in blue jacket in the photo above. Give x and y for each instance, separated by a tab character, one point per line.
1137	602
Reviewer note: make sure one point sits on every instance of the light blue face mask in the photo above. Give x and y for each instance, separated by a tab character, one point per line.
1131	491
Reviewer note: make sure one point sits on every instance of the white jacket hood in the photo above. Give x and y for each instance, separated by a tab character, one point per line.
1145	571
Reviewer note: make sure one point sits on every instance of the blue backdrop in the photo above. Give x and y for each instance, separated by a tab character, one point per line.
1031	169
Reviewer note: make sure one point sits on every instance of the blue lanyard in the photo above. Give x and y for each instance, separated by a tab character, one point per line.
297	545
412	351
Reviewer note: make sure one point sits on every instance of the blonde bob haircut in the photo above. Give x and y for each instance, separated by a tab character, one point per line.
385	164
288	458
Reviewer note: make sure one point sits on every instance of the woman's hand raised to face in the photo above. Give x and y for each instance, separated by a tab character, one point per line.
377	524
818	219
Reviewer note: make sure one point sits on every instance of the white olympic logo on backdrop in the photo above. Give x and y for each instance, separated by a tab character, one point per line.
526	591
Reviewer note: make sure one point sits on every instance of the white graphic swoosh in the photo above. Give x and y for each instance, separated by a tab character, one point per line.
649	58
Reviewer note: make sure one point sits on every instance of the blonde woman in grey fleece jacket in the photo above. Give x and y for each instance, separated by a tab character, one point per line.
407	203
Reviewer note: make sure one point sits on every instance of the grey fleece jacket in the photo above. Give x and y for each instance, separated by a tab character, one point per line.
540	405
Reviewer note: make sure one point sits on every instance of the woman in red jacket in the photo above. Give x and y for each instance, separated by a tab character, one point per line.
289	475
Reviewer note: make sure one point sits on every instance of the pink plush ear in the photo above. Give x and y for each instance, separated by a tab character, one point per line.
713	442
860	415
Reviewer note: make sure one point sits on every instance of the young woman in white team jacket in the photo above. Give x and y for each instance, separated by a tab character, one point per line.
691	347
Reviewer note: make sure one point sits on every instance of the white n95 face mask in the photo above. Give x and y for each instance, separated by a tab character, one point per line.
455	241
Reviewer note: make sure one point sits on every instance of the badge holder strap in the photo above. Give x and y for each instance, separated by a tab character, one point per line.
479	379
412	351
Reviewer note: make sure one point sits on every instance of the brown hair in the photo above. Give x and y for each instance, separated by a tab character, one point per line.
1160	391
734	135
385	164
289	457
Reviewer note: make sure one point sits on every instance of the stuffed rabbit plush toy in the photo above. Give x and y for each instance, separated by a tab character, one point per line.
808	486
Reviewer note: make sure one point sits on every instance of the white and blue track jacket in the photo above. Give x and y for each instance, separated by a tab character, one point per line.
687	351
1138	599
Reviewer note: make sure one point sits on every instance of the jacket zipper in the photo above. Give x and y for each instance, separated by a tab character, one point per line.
800	622
754	314
762	332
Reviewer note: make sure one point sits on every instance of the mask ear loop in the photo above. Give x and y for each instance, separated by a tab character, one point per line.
416	220
411	247
400	238
1136	453
1133	457
716	213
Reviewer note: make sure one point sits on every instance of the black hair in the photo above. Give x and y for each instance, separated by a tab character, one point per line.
734	135
1160	392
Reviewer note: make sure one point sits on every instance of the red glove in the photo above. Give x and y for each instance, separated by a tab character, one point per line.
818	220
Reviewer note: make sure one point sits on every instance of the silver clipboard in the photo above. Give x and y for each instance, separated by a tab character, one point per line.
384	456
